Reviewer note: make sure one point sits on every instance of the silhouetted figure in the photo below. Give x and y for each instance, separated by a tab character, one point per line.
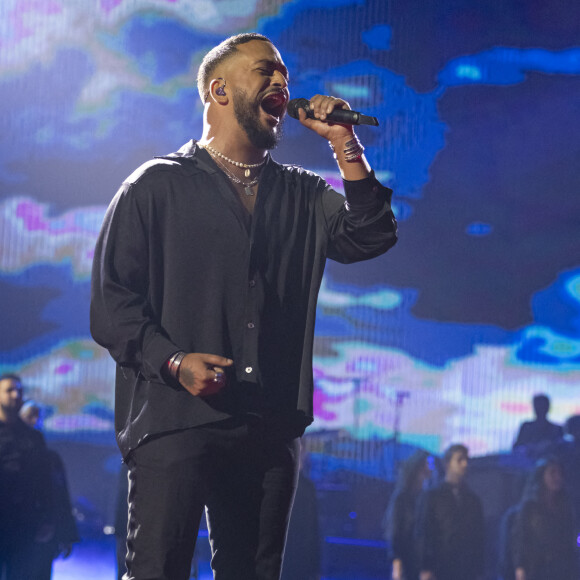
25	488
400	520
544	539
62	519
540	431
450	528
569	454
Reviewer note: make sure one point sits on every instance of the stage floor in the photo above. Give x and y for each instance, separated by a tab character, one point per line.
97	557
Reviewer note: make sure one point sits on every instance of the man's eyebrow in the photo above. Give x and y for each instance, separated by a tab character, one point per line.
280	66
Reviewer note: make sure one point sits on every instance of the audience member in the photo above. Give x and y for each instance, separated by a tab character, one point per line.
450	527
544	538
400	518
569	455
505	564
65	527
540	432
25	487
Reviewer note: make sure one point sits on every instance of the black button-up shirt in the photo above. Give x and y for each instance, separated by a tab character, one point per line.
179	266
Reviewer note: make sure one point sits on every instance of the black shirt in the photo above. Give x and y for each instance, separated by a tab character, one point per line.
176	268
25	483
450	533
400	523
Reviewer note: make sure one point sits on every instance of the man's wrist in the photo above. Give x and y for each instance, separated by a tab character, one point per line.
173	364
347	149
349	155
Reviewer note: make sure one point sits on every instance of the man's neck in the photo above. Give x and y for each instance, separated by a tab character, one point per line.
453	480
238	153
234	144
8	418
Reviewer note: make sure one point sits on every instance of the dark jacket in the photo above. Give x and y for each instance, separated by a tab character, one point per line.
176	268
450	533
538	432
399	524
544	541
26	496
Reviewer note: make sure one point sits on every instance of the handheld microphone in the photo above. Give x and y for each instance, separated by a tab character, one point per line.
343	116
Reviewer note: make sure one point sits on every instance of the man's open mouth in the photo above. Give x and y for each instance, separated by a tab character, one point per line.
274	104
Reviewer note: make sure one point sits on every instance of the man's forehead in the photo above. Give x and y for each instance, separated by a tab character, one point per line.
259	50
6	384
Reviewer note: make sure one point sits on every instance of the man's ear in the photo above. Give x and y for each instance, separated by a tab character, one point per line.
217	91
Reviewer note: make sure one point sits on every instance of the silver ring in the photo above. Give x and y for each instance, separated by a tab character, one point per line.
218	377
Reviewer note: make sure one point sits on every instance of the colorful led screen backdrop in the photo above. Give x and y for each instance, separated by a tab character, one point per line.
475	310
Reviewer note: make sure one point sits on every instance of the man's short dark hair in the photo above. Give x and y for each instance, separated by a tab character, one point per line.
452	450
220	53
11	377
541	404
572	427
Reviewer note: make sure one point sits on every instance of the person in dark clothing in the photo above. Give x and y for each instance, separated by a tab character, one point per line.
506	570
25	488
65	527
569	455
204	289
399	522
450	527
540	431
544	538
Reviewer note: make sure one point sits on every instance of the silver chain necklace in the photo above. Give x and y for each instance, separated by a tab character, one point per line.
247	186
246	166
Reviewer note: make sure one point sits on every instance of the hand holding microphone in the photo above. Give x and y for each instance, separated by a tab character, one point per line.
332	119
336	115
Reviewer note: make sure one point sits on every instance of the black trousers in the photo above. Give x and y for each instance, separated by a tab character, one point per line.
244	473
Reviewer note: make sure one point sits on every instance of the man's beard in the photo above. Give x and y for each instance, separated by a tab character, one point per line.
248	116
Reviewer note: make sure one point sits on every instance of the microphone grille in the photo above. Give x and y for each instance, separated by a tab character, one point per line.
295	104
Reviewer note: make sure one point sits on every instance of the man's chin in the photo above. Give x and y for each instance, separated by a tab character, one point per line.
266	138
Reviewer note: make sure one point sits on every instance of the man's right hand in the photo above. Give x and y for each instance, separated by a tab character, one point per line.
198	373
427	575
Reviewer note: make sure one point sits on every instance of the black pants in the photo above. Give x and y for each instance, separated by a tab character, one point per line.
245	474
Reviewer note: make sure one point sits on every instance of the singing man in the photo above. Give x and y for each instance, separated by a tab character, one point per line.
205	282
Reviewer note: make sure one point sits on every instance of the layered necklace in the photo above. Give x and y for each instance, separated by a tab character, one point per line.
246	166
247	185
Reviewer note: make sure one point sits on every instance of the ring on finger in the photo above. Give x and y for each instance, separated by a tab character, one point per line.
219	376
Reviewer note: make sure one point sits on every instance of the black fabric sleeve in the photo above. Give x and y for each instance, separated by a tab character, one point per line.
365	226
522	537
479	537
425	533
122	319
397	528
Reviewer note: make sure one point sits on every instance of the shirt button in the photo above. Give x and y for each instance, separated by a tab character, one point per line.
252	283
249	369
251	325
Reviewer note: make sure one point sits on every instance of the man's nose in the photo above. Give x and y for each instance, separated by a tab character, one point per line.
279	79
